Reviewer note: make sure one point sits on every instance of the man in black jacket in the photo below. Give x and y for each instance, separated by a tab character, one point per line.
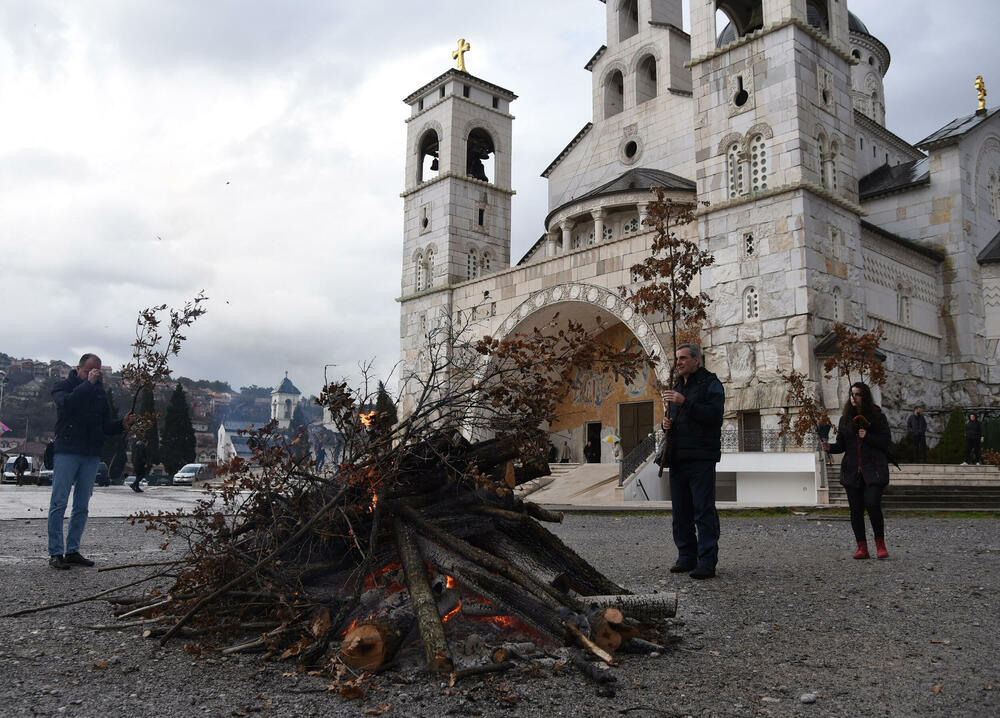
974	438
83	419
694	446
139	464
916	427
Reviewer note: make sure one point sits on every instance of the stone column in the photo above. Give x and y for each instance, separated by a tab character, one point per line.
567	234
643	212
552	238
598	215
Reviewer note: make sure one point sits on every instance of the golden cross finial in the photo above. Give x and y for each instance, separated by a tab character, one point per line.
981	87
459	54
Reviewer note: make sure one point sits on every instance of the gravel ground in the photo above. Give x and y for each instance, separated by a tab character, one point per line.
790	614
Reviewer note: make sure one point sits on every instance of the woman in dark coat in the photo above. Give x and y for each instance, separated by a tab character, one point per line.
863	438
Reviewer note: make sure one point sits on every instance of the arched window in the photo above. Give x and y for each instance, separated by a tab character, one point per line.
628	19
479	156
429	269
630	227
737	186
645	80
736	18
484	263
608	234
831	167
472	265
288	409
903	304
427	159
816	15
821	141
838	305
758	164
749	246
420	271
751	304
614	94
994	190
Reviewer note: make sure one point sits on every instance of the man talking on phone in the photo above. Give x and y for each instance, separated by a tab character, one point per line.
83	419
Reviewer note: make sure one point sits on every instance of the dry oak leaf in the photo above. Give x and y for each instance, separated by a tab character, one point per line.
382	708
100	665
938	688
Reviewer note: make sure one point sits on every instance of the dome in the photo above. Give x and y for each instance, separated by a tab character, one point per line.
814	18
854	24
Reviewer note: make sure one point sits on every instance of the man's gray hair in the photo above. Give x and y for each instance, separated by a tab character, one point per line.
693	348
87	357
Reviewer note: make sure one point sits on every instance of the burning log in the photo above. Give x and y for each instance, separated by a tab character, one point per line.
428	620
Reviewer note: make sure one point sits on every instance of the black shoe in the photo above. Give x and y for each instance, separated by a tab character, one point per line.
135	488
682	567
699	573
76	558
56	561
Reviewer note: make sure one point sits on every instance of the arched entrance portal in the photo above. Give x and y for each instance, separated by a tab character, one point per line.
597	407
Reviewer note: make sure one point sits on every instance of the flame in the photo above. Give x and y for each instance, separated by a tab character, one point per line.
374	502
371	580
449	582
368	418
451	614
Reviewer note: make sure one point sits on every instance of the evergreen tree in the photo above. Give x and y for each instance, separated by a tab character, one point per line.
951	448
385	408
147	406
298	421
178	445
113	451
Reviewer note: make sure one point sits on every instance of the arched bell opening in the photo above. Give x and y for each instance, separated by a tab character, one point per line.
428	162
480	159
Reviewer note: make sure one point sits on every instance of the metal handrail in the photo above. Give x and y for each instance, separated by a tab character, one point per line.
636	457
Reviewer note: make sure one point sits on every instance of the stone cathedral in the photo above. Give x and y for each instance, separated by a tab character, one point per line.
773	113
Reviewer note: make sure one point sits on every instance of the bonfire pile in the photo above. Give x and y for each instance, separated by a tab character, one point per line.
443	566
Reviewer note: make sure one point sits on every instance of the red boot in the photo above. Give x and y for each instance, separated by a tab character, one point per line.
880	550
862	551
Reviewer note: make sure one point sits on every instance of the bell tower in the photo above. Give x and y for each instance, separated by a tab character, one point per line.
456	197
774	148
458	175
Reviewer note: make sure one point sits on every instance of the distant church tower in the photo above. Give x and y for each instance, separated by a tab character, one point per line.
775	156
283	401
456	197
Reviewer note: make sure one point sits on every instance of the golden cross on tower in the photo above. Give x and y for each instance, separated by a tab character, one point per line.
459	54
981	88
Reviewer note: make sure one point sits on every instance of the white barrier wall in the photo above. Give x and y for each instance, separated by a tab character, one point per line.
762	479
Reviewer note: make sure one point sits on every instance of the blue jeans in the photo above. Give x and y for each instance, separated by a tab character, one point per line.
692	499
76	472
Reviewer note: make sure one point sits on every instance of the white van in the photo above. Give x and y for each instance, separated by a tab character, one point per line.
9	477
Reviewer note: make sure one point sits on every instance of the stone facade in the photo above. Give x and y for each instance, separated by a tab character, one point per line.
816	212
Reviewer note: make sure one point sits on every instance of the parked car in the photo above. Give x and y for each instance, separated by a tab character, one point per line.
191	473
158	476
45	477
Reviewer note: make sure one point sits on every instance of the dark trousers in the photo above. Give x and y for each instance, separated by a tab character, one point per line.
862	498
695	520
919	448
973	451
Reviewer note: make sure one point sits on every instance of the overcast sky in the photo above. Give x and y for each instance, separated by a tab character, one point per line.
153	148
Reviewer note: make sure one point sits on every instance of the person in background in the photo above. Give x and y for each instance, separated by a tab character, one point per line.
589	452
974	438
863	438
20	466
139	463
916	427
